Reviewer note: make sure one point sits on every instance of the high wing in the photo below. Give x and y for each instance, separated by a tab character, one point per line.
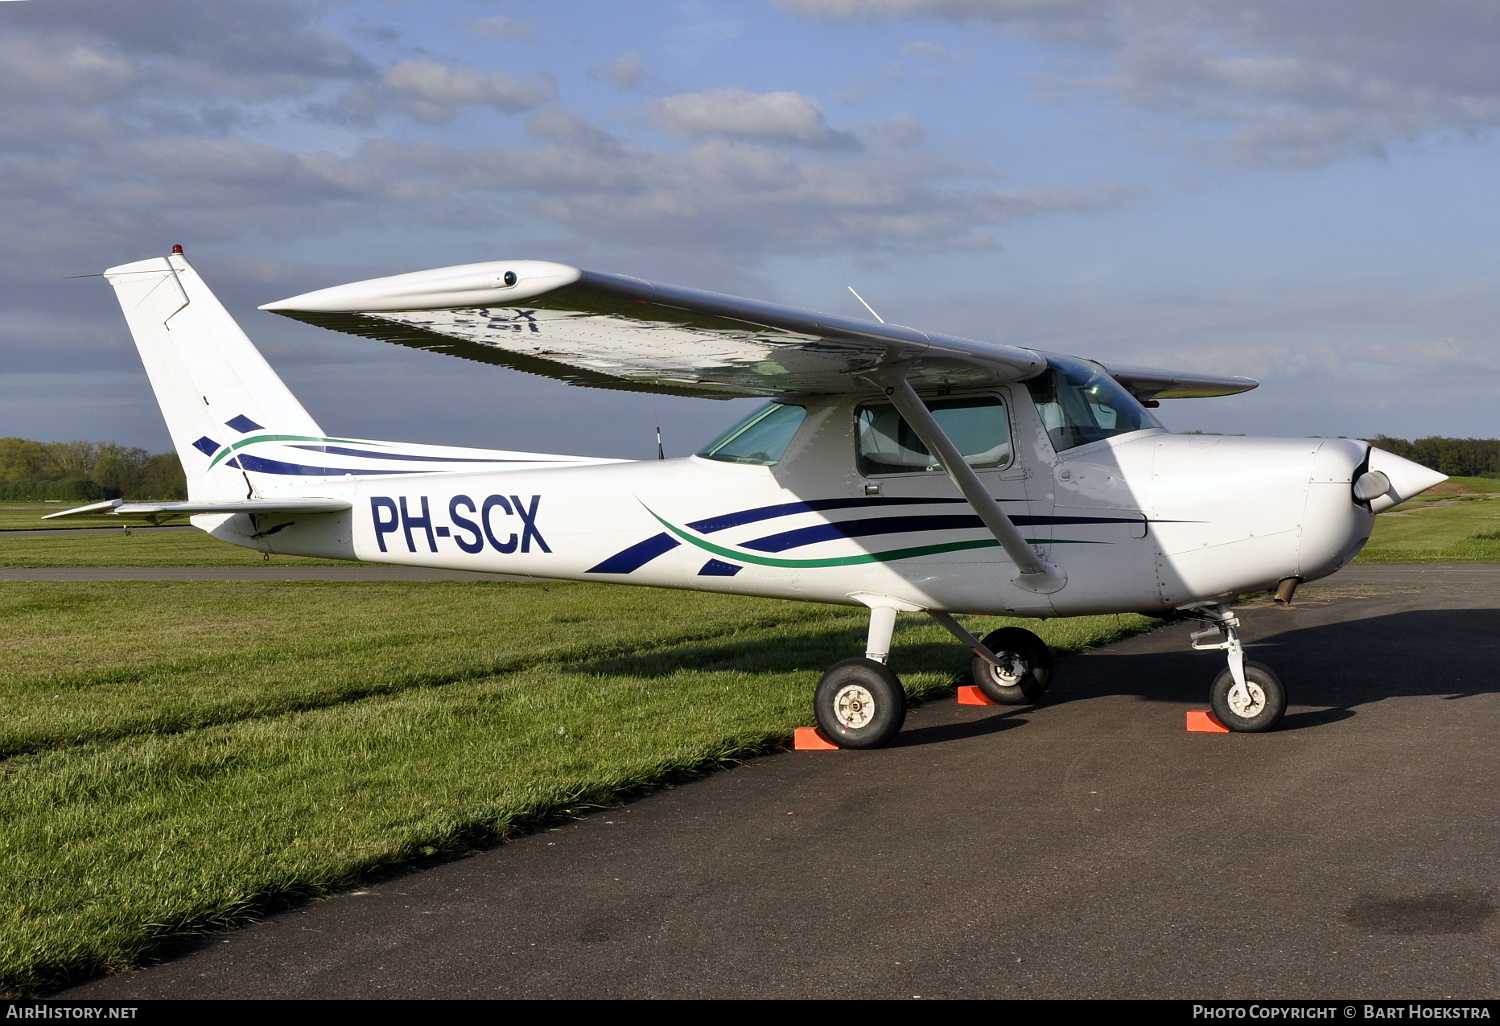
614	331
1150	383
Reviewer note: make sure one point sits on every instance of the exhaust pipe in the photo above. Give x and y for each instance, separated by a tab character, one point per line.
1285	589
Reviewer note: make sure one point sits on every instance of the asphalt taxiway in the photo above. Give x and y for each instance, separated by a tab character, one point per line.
1086	847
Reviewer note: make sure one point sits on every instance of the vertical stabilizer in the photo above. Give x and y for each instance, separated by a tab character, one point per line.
213	385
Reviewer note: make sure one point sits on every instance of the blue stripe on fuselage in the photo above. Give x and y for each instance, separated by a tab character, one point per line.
899	525
261	465
335	450
637	556
786	509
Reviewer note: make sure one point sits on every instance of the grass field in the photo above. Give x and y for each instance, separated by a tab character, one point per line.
1457	522
138	548
18	516
183	756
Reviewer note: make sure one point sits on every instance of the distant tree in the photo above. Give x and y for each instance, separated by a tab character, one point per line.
1395	446
1457	457
87	470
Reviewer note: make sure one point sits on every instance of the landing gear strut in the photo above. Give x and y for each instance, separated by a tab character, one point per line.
860	703
1246	697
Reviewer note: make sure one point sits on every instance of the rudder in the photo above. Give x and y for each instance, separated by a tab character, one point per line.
211	382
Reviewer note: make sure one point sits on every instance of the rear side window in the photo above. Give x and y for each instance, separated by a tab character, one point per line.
977	425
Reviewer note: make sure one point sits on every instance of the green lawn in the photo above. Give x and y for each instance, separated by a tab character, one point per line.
1465	530
182	756
27	516
138	548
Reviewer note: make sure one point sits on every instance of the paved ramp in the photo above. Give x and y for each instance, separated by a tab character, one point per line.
1087	847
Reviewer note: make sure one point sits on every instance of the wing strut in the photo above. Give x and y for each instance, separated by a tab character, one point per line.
1037	574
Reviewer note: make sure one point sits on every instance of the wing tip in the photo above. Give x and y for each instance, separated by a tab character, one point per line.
492	283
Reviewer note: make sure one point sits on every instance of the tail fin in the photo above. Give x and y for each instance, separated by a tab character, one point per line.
210	380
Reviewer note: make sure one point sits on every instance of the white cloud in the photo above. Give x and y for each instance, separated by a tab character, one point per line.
625	71
433	90
1279	82
731	197
252	50
781	118
72	71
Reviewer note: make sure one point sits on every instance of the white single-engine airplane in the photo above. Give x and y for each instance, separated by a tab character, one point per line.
892	468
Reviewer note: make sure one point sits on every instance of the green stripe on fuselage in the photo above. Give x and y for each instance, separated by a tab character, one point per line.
279	438
863	557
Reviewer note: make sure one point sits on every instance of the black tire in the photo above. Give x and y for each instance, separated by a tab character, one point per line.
1266	705
859	704
1029	663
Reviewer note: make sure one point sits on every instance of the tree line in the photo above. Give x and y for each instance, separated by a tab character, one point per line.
1456	457
31	471
94	471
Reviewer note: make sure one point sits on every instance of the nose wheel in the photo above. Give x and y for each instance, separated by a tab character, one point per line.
1252	707
1246	697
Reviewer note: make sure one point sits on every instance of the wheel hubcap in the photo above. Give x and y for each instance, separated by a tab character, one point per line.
1011	669
854	706
1247	700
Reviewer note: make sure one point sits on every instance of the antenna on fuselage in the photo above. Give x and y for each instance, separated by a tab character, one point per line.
661	453
867	305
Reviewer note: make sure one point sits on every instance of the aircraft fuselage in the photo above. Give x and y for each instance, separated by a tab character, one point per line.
1145	520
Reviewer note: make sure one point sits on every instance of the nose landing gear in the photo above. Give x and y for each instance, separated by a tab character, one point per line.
1246	697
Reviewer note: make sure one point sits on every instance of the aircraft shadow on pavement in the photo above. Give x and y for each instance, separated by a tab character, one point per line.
1339	666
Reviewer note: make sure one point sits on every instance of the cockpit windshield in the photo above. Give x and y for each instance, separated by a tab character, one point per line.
760	439
1079	403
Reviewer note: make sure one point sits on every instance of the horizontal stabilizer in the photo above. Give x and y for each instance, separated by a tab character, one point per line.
118	507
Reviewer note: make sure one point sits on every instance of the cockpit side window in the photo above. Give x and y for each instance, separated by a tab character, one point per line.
761	439
1079	403
977	425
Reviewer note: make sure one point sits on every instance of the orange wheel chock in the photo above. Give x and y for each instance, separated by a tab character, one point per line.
968	694
810	739
1202	721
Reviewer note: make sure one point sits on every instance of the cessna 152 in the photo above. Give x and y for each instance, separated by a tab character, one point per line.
891	468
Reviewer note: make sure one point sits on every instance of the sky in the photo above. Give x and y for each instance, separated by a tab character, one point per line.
1305	193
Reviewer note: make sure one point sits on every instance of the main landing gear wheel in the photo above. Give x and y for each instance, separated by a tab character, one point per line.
859	704
1027	671
1252	709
